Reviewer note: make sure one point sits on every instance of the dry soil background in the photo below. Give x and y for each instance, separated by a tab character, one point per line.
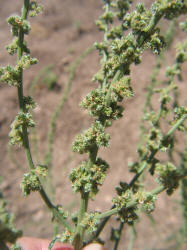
64	30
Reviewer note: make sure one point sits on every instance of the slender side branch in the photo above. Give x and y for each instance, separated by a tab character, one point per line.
117	241
153	153
26	145
129	204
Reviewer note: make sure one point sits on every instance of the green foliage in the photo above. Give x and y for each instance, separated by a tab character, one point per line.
8	232
169	176
90	222
127	34
18	23
30	183
34	8
94	136
10	75
87	177
22	120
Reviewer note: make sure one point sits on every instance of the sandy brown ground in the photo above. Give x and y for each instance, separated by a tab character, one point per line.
58	37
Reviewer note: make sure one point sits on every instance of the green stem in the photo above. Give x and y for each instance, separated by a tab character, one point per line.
79	235
140	40
52	126
115	210
93	155
78	239
153	153
184	206
172	130
132	237
25	11
26	145
117	241
105	56
116	77
105	216
141	170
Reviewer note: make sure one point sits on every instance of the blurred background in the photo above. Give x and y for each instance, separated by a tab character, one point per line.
59	36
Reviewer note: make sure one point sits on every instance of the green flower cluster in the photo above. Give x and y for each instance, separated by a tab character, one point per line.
97	106
22	120
121	89
87	178
41	170
127	202
126	214
66	237
179	112
106	18
153	139
90	222
29	103
171	8
123	53
26	61
181	53
148	202
122	7
8	232
30	183
13	46
18	23
117	8
10	75
35	8
181	57
138	20
142	22
119	52
169	176
115	32
94	136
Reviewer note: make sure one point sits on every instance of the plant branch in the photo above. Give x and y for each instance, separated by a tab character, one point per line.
153	153
115	210
117	241
78	239
22	107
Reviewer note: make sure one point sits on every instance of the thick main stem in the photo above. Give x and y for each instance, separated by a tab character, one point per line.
78	240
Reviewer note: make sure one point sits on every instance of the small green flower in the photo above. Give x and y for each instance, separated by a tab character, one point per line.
87	178
30	183
95	135
90	222
169	176
16	133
